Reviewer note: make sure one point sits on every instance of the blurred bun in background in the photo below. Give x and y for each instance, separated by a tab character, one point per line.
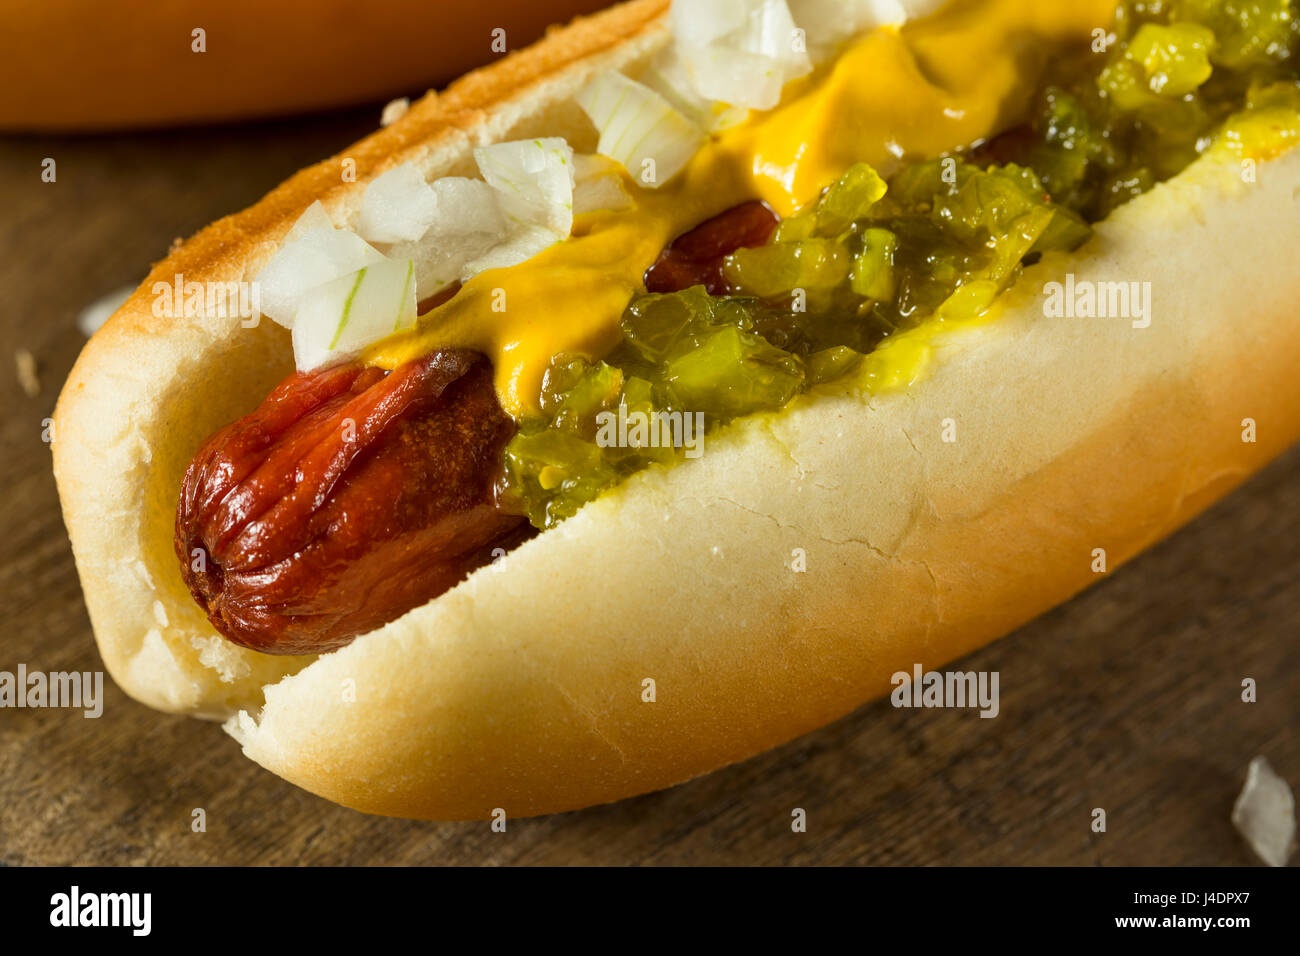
74	65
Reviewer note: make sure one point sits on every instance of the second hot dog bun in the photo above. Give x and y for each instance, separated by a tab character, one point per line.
82	65
523	688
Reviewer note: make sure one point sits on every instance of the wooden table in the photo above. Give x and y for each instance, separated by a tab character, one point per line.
1127	698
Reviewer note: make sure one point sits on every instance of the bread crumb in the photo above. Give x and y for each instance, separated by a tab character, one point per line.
394	111
217	654
242	726
27	377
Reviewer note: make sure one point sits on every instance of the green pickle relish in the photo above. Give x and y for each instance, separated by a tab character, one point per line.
937	243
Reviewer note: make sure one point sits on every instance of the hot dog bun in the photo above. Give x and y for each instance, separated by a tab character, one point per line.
522	688
80	65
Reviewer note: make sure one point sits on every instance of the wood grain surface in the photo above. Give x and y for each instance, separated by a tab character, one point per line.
1127	698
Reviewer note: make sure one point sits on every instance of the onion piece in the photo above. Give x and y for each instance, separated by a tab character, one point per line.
534	178
639	128
397	205
666	75
467	207
314	217
740	52
911	9
533	183
525	241
340	318
828	23
469	224
314	253
598	186
1264	814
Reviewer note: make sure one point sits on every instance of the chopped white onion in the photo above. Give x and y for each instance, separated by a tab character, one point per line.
598	186
314	217
604	194
397	205
639	129
910	9
535	180
314	253
827	23
469	224
467	207
440	262
1265	814
340	318
740	52
524	241
533	183
897	11
666	75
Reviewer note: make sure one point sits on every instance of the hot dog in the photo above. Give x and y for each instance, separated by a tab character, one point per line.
823	316
349	496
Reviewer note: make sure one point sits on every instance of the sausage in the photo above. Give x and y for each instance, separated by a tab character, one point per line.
348	497
695	257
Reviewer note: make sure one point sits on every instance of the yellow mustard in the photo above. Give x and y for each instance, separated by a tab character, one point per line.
932	85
